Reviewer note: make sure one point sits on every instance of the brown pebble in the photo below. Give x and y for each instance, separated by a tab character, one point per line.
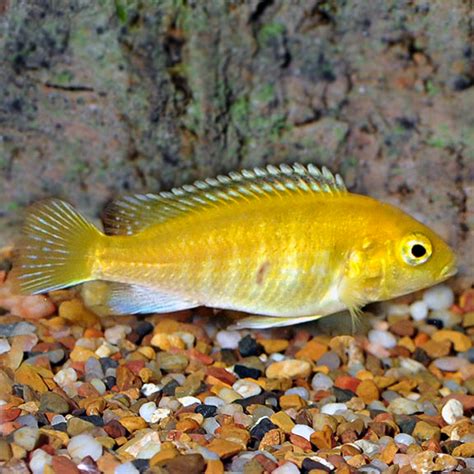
292	401
461	342
223	448
323	439
425	431
63	465
368	391
403	327
133	423
185	464
301	442
114	429
272	438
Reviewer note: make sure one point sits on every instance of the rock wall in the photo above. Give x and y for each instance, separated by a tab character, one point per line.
100	98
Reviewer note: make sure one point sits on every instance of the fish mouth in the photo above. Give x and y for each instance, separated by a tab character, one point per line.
448	271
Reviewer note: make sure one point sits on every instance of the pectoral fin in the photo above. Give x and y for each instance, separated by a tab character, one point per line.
132	299
263	322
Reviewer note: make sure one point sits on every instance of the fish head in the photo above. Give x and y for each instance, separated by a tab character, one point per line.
416	257
396	255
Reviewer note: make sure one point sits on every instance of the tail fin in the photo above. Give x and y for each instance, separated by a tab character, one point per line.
57	249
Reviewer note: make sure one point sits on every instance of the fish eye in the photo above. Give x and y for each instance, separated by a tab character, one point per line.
416	249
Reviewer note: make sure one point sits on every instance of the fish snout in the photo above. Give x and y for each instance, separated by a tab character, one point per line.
449	270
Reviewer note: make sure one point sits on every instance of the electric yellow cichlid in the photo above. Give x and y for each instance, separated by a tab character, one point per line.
288	244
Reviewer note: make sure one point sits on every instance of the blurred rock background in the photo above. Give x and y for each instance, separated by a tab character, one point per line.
100	98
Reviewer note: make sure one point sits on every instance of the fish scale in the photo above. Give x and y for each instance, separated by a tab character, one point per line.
288	244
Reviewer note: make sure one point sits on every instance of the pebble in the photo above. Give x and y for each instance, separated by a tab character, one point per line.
248	346
84	445
17	329
460	341
172	362
26	437
4	345
246	389
206	410
304	431
333	408
39	460
228	339
174	393
116	333
52	402
404	406
126	468
452	410
439	297
300	391
321	381
146	411
149	389
331	360
403	438
451	364
419	310
188	401
382	338
160	414
289	368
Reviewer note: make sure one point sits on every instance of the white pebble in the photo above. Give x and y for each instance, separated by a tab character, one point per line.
439	297
4	345
368	447
228	339
452	411
106	350
246	388
57	419
84	445
188	401
411	366
397	309
160	414
304	431
419	310
214	401
403	406
150	388
404	438
170	403
333	408
287	468
301	391
210	425
321	382
383	338
65	377
126	468
98	385
39	460
146	411
117	333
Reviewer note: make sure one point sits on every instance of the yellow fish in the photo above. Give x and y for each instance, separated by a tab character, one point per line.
288	244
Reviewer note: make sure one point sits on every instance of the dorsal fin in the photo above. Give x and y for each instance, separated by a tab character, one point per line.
131	214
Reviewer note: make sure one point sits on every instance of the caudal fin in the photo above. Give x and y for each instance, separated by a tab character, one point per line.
57	249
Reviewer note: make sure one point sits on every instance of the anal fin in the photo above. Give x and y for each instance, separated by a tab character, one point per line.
133	299
264	322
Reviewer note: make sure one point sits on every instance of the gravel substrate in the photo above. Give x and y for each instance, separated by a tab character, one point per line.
180	394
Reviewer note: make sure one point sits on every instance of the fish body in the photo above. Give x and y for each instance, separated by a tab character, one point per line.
289	243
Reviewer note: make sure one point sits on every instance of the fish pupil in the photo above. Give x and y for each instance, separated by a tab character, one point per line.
418	251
